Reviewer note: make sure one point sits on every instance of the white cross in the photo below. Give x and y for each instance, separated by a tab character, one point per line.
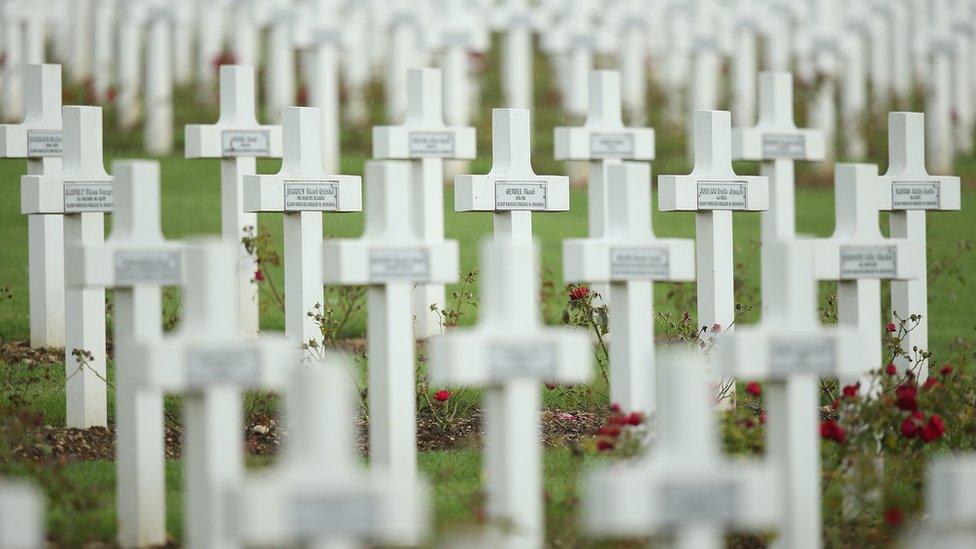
907	190
858	257
950	507
938	59
319	492
81	193
426	142
102	34
210	364
713	191
745	59
38	138
132	18
574	41
390	258
237	140
515	19
21	516
460	34
683	486
279	79
511	190
406	51
323	46
853	101
510	352
137	262
631	259
301	191
158	126
792	351
825	52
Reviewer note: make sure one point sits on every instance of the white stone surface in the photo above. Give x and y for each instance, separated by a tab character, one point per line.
21	516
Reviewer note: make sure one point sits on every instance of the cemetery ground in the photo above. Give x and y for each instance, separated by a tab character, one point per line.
77	472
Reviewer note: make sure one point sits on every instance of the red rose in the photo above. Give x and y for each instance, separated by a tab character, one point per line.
615	407
905	398
927	433
890	369
831	430
617	419
259	275
716	328
754	389
442	395
609	430
578	293
894	516
550	385
937	425
946	370
930	383
909	427
890	327
634	418
604	445
850	391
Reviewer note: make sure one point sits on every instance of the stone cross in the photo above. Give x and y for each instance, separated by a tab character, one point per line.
950	508
158	127
792	352
301	191
38	139
320	493
908	191
631	259
210	15
279	80
633	20
390	258
81	192
938	100
684	486
515	19
131	26
706	55
237	140
426	141
745	60
858	257
459	35
574	41
511	190
324	47
21	516
826	62
102	34
713	191
210	364
136	262
406	51
510	353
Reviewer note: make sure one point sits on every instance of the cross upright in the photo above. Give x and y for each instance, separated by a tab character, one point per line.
460	34
858	257
238	141
684	486
908	192
630	258
515	19
510	353
511	190
137	263
792	352
302	190
21	515
38	139
950	507
713	191
425	141
81	193
390	258
320	493
576	39
210	364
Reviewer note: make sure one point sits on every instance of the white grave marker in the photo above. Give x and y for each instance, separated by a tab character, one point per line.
514	18
38	139
158	127
237	140
950	508
510	353
631	259
426	142
130	32
210	364
137	263
390	258
21	516
279	78
82	193
908	191
301	191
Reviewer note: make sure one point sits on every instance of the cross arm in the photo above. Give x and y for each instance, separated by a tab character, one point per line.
950	501
781	352
39	135
618	260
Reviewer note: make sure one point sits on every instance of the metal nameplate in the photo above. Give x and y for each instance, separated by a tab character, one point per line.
399	264
350	514
915	195
816	355
522	360
520	195
314	196
784	146
868	261
432	144
636	263
41	143
612	145
226	366
163	268
722	195
88	196
246	143
706	501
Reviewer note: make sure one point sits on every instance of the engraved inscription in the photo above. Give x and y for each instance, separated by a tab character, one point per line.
911	195
43	143
803	356
399	264
246	142
520	195
318	196
88	196
722	195
708	501
222	366
639	263
162	268
435	144
784	146
611	144
511	360
352	514
868	261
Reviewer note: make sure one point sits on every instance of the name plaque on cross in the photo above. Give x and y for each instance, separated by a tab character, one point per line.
215	366
512	360
318	196
915	195
163	268
520	195
612	145
868	261
817	356
42	143
399	264
640	263
722	195
352	514
784	146
88	196
708	501
245	143
432	144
